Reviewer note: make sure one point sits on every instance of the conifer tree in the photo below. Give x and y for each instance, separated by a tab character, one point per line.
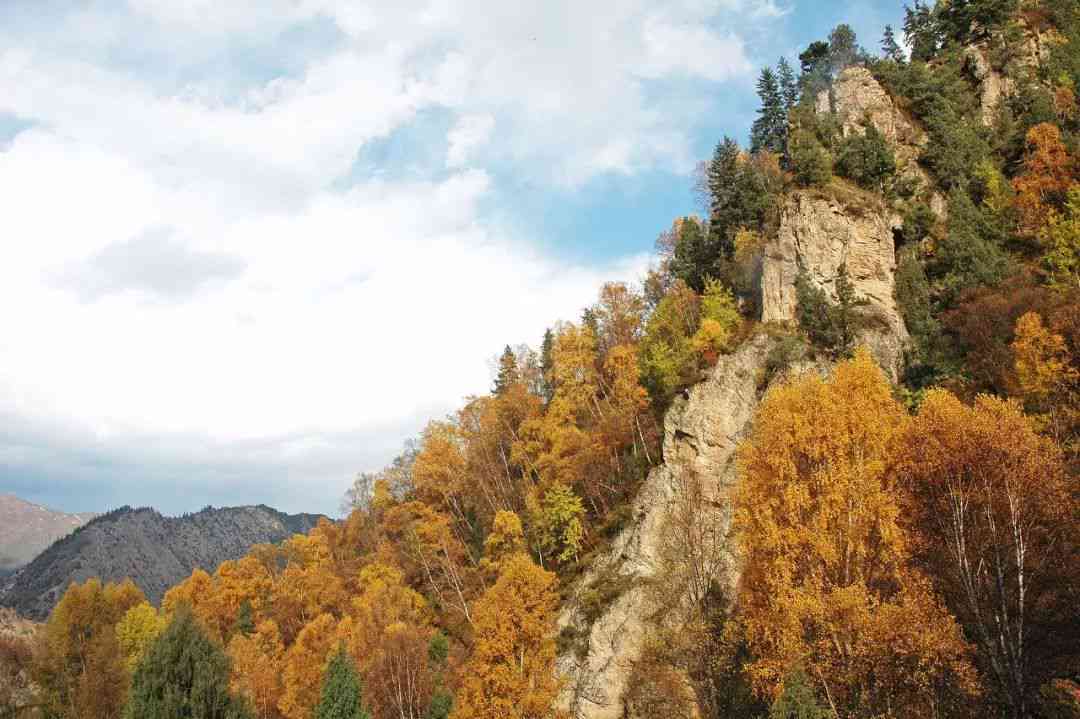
508	371
547	364
920	31
342	697
184	675
789	88
769	128
890	49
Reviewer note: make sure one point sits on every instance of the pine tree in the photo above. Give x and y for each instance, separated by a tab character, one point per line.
890	49
341	691
789	88
184	675
723	180
920	31
844	50
547	365
508	371
769	129
245	621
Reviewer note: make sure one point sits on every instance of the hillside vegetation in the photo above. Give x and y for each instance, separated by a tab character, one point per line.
898	541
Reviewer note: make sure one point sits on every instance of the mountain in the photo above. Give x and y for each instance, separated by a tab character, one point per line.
26	529
155	551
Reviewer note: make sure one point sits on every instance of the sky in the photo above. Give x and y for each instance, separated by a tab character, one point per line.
252	246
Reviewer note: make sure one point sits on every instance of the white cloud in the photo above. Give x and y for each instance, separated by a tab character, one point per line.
194	262
470	132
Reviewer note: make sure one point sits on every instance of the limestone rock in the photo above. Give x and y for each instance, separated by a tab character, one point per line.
701	432
817	234
859	102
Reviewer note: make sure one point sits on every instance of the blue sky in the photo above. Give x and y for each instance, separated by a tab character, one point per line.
255	245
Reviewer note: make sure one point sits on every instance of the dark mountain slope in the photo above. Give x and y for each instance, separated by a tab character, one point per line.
155	551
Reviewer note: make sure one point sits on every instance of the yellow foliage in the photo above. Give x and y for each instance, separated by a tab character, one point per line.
137	630
510	674
304	664
817	520
256	668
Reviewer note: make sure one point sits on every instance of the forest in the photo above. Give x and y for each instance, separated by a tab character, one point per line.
907	546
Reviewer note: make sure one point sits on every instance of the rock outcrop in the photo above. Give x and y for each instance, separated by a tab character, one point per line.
614	608
998	77
859	101
701	432
817	234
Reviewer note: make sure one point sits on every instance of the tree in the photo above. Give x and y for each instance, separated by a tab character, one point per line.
890	49
1048	173
826	584
256	668
1060	239
341	696
720	319
546	363
844	50
184	675
920	31
991	513
80	665
510	673
867	159
789	90
303	667
136	632
797	699
769	131
810	161
508	371
828	325
667	357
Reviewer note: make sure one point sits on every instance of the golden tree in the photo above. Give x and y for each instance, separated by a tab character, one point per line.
992	512
825	560
511	672
256	668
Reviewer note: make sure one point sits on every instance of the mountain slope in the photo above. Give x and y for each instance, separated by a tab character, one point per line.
155	551
26	529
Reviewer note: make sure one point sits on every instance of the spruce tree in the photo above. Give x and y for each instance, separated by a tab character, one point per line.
789	88
184	675
890	49
508	371
921	31
770	128
723	181
342	696
547	364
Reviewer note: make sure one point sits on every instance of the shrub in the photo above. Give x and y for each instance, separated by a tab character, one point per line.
866	159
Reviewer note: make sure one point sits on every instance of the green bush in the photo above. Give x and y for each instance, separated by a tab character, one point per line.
828	325
810	161
866	159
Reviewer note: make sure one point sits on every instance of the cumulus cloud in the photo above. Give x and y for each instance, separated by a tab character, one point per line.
204	288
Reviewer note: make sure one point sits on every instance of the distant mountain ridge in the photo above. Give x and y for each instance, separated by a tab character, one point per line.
27	528
155	551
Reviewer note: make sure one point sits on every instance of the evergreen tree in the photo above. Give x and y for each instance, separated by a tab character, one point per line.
867	159
341	696
920	31
844	50
789	88
770	128
184	675
508	371
797	700
244	622
547	364
890	49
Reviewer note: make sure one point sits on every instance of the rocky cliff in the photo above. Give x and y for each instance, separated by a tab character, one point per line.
613	607
154	551
819	232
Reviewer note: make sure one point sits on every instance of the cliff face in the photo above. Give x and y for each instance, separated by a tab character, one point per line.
613	608
154	551
818	233
701	432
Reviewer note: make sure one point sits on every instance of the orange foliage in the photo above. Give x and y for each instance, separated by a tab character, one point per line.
1048	172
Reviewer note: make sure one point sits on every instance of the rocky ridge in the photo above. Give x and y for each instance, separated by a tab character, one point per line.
154	551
